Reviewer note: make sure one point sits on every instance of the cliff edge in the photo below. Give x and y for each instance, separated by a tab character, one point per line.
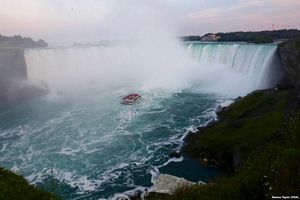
20	42
13	69
289	53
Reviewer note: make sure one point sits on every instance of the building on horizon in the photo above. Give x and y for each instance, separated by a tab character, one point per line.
210	38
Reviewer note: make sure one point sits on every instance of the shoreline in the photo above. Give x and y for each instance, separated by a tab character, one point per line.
176	156
240	167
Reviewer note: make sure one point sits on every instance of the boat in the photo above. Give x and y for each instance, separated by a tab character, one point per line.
130	99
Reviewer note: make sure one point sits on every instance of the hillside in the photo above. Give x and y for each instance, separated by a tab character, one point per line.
14	186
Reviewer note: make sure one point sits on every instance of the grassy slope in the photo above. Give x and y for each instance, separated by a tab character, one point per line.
267	145
244	126
13	187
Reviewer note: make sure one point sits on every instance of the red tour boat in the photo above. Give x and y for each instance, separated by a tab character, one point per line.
130	99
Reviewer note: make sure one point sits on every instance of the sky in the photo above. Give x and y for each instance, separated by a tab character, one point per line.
94	20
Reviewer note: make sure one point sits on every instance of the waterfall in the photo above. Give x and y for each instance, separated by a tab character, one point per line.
143	66
257	62
233	69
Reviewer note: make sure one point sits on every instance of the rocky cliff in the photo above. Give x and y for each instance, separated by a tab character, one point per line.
12	70
13	73
21	42
289	53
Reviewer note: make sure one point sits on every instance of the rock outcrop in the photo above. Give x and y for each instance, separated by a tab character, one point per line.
13	72
165	183
289	53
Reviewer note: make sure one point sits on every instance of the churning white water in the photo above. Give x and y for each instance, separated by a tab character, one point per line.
94	147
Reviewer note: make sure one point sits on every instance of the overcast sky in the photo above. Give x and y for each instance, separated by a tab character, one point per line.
93	20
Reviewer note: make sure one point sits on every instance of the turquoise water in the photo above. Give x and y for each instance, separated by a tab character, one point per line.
94	147
82	143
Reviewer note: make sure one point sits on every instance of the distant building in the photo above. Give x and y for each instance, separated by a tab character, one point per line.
210	37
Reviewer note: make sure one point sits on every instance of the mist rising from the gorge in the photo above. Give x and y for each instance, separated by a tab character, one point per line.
147	55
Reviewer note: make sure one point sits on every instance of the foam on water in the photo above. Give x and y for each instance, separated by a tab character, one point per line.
80	139
91	146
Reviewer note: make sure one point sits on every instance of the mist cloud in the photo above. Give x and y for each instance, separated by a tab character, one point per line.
92	20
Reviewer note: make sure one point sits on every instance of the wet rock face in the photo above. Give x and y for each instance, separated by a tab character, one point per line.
13	76
13	73
12	70
289	53
12	64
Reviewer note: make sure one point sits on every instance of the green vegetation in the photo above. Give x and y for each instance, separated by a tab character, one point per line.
256	143
20	42
254	37
298	44
243	127
191	38
13	187
260	37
